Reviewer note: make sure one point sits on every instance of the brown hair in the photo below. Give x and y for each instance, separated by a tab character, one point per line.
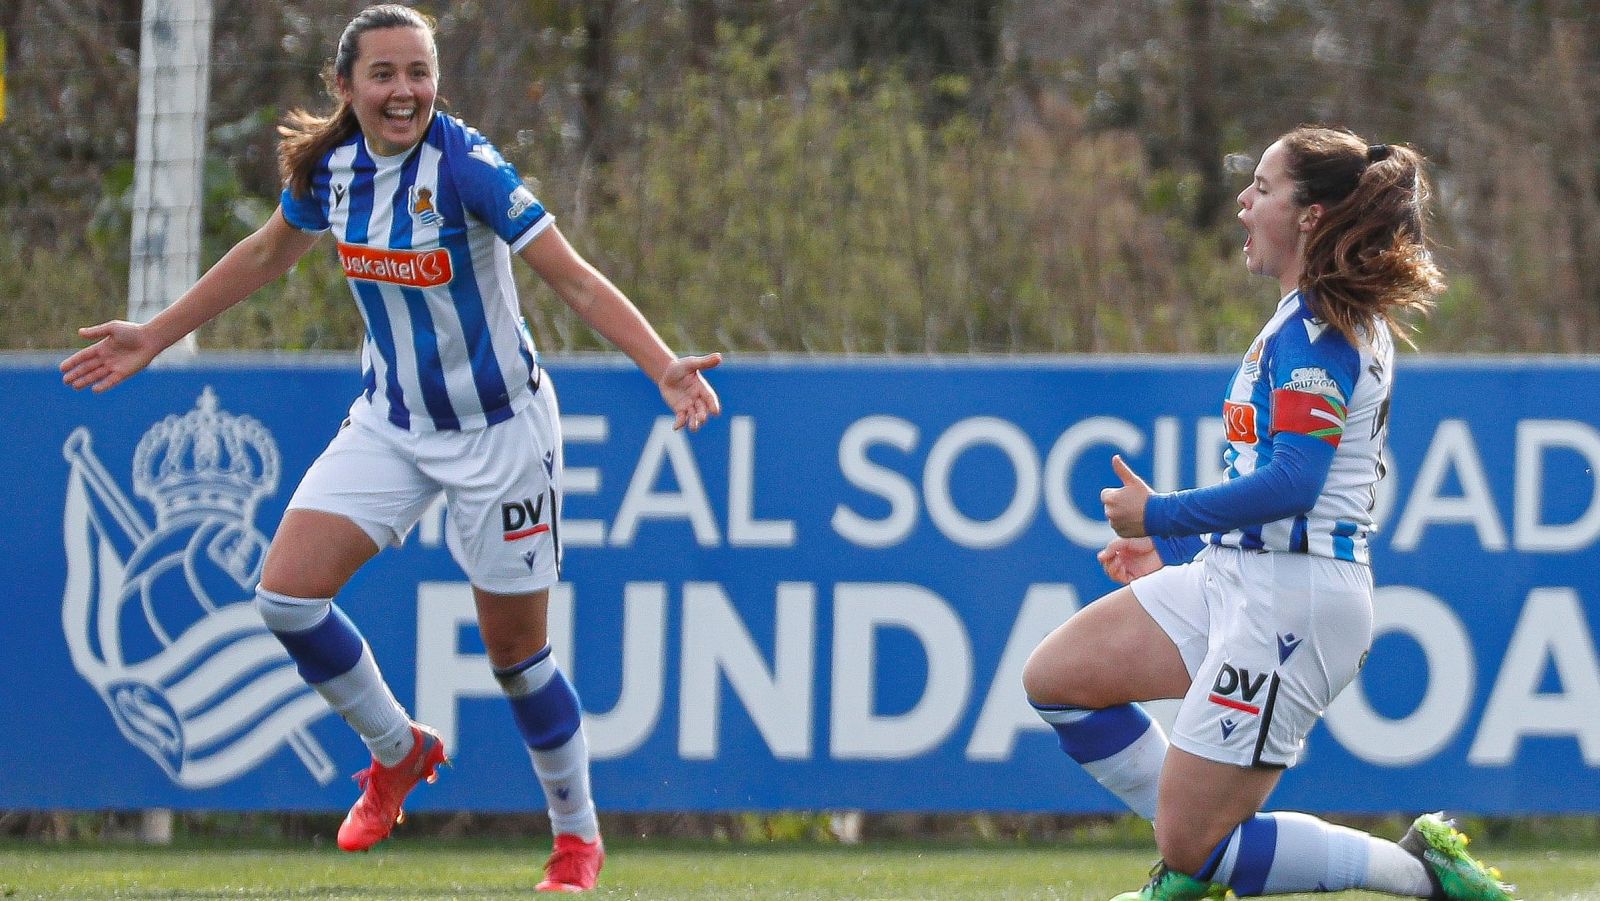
1367	256
308	136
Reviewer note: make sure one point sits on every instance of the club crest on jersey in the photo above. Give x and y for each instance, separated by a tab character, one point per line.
1252	358
1239	422
422	208
407	268
159	618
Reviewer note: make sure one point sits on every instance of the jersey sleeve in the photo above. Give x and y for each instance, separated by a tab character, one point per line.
1175	549
307	212
1287	485
491	189
1312	371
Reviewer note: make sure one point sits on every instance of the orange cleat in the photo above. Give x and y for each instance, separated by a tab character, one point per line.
384	789
574	866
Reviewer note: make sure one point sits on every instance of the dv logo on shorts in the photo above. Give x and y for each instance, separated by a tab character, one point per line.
1237	688
159	619
520	519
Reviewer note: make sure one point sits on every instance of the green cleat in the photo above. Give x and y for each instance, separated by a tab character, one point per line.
1455	874
1167	884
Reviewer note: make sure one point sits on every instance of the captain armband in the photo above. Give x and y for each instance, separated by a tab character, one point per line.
1304	413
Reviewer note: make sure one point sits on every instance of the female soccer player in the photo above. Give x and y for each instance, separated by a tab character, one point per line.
1258	627
426	214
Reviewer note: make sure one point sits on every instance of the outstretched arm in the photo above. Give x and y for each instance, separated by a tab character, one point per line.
121	348
594	298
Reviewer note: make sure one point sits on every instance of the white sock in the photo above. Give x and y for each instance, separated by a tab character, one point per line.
366	703
1134	774
1283	852
1120	746
546	709
564	774
327	648
1393	869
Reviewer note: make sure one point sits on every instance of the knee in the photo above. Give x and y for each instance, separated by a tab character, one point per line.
294	578
282	613
1055	677
514	627
507	650
314	554
1041	680
1056	680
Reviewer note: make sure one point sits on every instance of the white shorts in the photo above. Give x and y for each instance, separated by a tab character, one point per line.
501	484
1269	640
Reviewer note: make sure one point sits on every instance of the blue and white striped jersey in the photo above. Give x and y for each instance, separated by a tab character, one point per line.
425	240
1304	377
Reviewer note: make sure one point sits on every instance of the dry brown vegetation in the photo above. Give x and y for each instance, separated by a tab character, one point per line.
948	176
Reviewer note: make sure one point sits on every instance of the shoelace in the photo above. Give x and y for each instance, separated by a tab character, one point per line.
370	788
564	862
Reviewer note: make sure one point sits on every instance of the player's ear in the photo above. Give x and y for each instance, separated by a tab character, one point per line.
1310	216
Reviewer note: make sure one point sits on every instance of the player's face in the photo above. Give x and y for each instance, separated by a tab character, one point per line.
392	86
1274	225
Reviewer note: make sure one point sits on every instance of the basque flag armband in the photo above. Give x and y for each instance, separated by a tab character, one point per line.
1304	413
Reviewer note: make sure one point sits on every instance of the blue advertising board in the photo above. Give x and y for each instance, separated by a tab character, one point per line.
823	599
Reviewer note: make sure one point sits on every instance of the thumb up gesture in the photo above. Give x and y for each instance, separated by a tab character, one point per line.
1125	503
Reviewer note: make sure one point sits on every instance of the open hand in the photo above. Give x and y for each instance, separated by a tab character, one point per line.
120	349
687	392
1126	559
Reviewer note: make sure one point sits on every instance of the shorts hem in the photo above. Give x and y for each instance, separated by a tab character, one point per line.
1229	756
526	586
382	535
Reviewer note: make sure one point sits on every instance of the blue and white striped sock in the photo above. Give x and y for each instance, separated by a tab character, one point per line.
1121	747
335	660
1283	853
550	719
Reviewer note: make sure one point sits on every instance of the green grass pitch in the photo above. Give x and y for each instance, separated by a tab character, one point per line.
438	869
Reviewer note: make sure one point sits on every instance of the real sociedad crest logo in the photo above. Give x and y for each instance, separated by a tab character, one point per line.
159	619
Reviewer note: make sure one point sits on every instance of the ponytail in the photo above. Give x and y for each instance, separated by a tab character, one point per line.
1367	257
307	138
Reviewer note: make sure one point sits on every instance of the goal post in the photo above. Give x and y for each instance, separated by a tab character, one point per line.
174	76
